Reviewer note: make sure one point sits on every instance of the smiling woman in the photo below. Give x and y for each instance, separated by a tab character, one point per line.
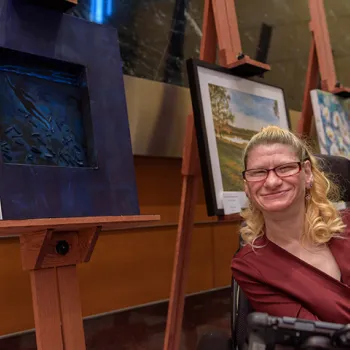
294	258
275	180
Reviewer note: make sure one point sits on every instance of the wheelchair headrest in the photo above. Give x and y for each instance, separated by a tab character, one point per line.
338	170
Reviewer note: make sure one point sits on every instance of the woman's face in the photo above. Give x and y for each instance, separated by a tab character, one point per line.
276	194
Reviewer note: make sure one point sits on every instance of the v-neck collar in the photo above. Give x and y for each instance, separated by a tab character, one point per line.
279	249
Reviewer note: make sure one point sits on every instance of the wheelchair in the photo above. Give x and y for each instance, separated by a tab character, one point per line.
338	169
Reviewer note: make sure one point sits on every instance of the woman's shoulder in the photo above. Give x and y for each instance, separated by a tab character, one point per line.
248	252
250	260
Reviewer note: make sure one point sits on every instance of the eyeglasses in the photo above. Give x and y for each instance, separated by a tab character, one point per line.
284	170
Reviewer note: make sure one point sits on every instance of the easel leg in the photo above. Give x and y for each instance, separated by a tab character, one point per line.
71	315
209	39
177	293
183	241
51	258
56	301
220	27
311	83
46	309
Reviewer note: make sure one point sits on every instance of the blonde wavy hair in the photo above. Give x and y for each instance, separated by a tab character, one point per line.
322	219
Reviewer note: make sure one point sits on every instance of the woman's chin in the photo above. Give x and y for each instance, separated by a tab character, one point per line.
276	206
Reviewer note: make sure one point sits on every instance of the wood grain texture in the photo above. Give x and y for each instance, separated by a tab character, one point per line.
232	62
190	160
209	38
179	277
41	256
312	78
87	242
319	28
226	20
71	315
46	309
17	227
38	250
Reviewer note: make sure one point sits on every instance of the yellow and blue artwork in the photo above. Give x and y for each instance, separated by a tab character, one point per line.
332	123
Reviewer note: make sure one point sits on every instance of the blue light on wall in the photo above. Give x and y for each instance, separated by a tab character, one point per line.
109	7
100	10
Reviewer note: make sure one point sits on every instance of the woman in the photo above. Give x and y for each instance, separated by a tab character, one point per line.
296	257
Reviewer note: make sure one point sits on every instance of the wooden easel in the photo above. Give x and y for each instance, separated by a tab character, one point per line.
50	251
320	65
219	28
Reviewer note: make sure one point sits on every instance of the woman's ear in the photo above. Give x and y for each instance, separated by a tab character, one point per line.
308	174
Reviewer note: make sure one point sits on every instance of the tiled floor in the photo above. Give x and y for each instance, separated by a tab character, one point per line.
143	328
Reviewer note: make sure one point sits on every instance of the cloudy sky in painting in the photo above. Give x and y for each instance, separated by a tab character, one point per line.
251	111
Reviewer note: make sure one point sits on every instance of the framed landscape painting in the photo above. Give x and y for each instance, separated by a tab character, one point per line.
228	110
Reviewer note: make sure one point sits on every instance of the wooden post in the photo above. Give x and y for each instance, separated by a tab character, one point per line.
220	29
50	251
320	65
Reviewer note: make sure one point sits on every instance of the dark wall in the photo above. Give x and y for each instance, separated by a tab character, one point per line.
156	36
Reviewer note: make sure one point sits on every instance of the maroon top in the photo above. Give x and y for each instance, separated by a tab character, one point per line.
280	284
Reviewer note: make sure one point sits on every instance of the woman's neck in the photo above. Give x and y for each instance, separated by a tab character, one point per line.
285	228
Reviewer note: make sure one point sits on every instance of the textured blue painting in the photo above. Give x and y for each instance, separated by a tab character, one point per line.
42	111
64	131
332	123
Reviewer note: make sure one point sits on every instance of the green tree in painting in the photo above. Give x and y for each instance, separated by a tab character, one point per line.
220	106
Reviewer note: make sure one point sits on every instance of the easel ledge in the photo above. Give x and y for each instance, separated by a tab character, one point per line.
18	227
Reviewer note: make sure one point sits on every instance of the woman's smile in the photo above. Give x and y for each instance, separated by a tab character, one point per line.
274	195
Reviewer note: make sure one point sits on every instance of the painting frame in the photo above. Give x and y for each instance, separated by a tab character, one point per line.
207	147
108	186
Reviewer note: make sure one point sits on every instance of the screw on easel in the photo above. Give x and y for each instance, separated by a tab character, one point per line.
337	84
240	56
62	247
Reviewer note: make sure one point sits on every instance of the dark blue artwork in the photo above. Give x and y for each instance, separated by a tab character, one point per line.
43	106
65	139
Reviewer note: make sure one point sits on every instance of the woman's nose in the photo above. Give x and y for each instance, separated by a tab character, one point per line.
272	179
